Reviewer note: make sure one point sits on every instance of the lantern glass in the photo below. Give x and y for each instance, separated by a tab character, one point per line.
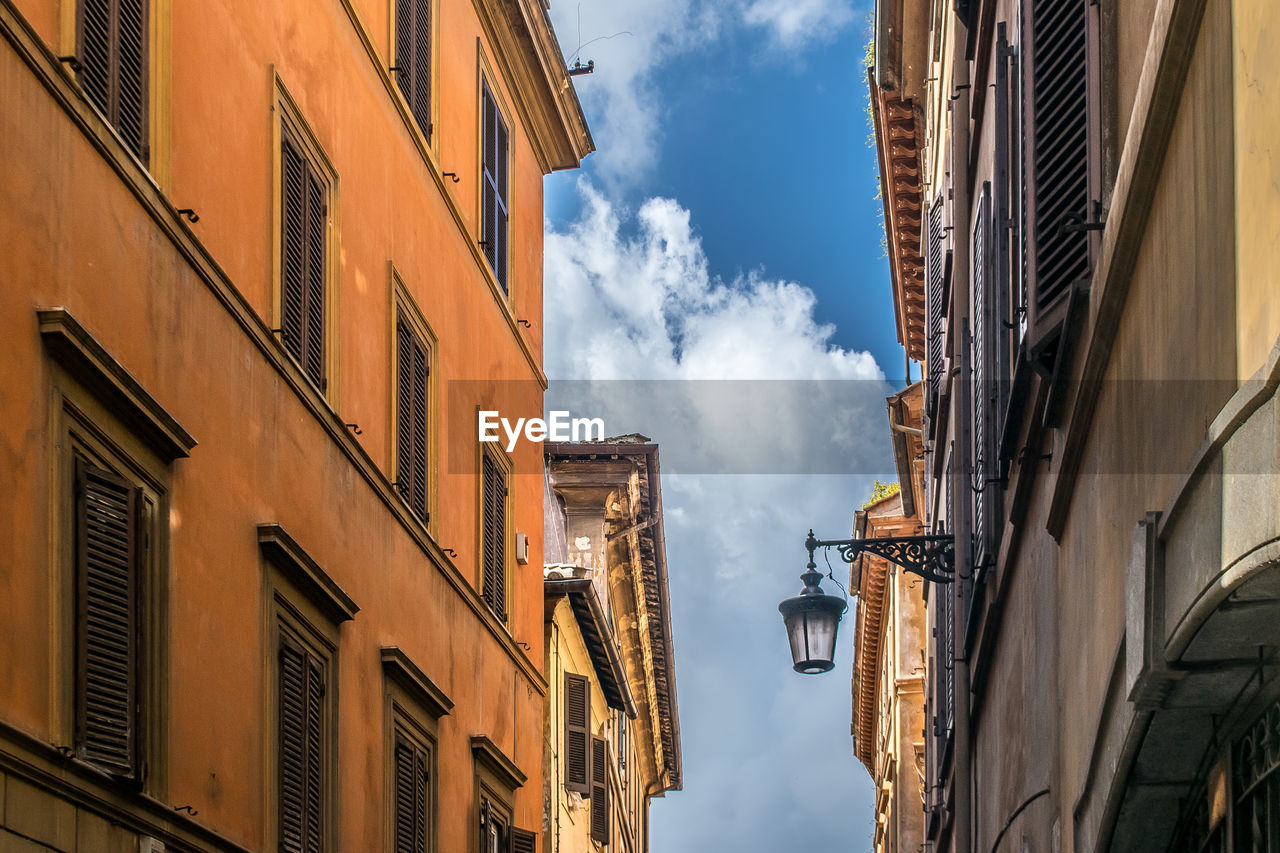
812	621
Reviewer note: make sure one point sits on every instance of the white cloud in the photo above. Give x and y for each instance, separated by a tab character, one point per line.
646	307
631	42
794	23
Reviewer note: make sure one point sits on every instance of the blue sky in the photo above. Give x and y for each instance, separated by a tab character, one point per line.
727	229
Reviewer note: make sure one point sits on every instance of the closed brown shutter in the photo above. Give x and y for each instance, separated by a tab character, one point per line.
413	59
411	797
494	555
599	790
304	221
934	306
109	559
986	391
577	733
301	750
411	418
493	188
112	47
522	841
1060	150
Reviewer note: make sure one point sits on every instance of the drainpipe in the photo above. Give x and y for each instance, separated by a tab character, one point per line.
962	820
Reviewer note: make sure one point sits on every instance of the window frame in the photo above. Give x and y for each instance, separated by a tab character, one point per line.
1047	317
569	729
87	433
486	85
286	114
404	306
413	708
427	136
488	450
296	620
98	411
159	73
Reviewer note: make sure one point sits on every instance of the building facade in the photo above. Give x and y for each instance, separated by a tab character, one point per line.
889	633
1081	215
613	731
263	589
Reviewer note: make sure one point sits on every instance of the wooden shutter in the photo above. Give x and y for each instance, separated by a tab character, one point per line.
494	188
522	841
112	47
577	733
303	267
600	790
413	59
987	336
494	556
301	750
411	418
934	306
1060	151
109	560
411	797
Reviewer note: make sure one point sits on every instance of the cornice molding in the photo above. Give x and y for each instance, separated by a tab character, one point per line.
404	672
487	754
529	60
305	573
81	355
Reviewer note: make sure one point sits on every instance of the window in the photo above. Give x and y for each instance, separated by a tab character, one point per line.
600	790
111	541
414	707
497	778
621	743
935	307
577	733
116	445
413	59
412	369
301	770
493	186
112	49
988	366
494	491
412	796
1061	128
303	213
307	606
306	252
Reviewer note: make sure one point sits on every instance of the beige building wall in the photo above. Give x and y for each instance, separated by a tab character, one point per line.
1121	644
607	620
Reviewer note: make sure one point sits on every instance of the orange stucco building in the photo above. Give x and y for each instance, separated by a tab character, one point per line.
261	588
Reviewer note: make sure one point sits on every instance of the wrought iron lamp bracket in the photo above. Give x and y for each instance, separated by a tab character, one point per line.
930	557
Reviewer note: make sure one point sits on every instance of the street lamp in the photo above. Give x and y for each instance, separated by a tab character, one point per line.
813	617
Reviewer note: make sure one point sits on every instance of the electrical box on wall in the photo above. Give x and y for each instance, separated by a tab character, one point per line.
522	548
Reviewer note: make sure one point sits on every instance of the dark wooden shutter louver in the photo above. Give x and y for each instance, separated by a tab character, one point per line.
411	797
301	753
494	556
600	790
494	188
413	59
109	553
112	48
411	418
934	306
522	841
577	734
987	338
304	221
1060	154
